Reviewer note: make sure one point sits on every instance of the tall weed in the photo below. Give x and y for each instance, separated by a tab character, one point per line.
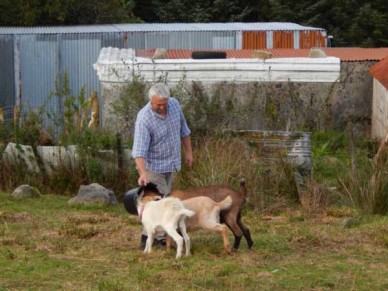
367	190
228	159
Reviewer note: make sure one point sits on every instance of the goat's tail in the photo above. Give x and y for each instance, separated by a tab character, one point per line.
186	212
226	203
244	189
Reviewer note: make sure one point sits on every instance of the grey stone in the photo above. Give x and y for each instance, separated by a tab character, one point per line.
25	191
160	53
53	158
317	53
94	193
21	155
45	138
261	54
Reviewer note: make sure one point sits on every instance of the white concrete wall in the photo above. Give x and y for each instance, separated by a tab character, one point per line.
379	110
119	65
322	104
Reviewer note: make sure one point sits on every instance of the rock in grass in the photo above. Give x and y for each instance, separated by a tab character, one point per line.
351	222
25	191
22	156
94	193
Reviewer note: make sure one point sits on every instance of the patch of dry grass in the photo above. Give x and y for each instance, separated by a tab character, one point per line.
47	244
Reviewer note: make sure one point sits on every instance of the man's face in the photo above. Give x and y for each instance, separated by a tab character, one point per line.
159	105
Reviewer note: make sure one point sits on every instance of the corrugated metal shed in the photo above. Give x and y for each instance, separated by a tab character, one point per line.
153	27
32	59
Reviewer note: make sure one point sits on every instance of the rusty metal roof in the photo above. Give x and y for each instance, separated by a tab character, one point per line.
345	54
380	72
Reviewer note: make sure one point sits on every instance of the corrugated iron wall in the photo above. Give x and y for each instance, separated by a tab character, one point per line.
32	64
37	68
254	40
190	40
309	39
7	75
283	39
29	71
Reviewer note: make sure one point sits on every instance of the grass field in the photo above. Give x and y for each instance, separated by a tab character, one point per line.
47	244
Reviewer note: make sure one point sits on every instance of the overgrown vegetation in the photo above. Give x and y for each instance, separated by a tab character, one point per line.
343	172
315	232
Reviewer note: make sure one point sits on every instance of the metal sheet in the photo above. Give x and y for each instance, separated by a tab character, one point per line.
38	70
7	73
294	147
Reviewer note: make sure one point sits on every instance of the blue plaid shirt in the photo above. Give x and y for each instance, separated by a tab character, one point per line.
158	140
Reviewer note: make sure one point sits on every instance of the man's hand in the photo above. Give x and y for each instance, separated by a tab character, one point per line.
189	159
188	151
142	181
140	164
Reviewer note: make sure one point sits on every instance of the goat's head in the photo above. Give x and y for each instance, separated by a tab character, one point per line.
149	192
135	197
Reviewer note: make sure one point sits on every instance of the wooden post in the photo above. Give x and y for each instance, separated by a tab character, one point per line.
15	115
95	102
1	115
94	121
85	112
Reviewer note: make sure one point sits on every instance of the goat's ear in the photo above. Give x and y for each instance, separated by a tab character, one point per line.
140	190
154	188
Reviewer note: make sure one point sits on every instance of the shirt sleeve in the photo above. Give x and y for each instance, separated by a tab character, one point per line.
185	131
141	140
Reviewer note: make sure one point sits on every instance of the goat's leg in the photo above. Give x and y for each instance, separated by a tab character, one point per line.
213	225
246	232
230	221
168	243
179	241
149	242
237	240
223	231
182	228
224	234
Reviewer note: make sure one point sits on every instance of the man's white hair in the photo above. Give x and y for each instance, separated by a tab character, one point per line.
160	90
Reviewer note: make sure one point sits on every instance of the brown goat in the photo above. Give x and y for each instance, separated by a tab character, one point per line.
231	216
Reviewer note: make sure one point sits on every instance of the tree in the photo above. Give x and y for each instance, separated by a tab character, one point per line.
200	11
65	12
369	28
351	22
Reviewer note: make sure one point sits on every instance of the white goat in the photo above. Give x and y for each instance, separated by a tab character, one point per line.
166	214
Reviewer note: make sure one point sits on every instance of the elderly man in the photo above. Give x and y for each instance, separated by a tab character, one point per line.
160	130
